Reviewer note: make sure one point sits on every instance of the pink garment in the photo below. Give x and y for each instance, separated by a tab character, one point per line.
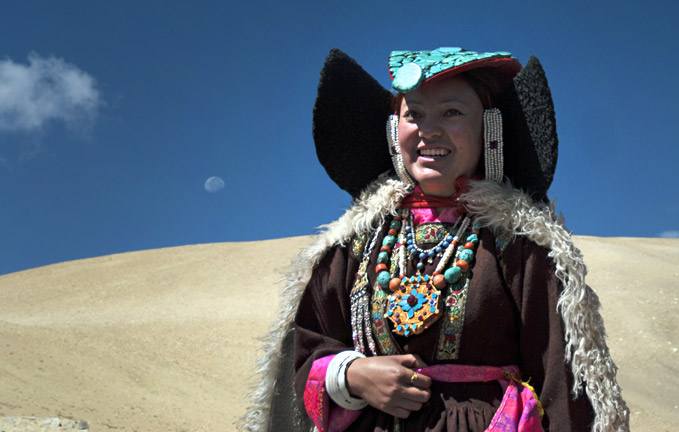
428	214
317	401
518	411
422	215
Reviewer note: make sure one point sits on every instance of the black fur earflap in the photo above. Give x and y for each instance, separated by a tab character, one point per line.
349	124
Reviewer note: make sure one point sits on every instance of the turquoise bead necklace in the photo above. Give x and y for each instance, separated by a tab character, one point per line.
413	305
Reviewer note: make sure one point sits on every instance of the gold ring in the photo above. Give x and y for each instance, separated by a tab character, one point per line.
413	378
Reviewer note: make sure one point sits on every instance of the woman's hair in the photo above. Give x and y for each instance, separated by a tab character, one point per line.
482	80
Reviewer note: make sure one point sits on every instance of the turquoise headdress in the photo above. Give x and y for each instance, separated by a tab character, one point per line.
409	69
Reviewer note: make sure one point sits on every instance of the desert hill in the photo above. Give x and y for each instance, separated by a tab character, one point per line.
165	340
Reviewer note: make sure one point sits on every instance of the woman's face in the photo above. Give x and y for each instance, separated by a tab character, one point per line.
440	133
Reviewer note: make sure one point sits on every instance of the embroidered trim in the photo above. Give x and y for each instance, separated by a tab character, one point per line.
431	232
455	304
502	240
379	302
380	327
450	334
358	245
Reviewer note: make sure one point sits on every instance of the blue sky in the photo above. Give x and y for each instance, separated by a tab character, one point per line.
113	115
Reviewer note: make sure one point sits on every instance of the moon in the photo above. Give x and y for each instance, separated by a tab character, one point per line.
214	184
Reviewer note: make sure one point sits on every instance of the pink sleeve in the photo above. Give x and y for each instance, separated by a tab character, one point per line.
317	402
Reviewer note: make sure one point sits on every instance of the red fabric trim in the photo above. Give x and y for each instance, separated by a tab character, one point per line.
418	199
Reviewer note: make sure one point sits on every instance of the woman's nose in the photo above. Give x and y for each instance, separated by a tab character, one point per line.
429	128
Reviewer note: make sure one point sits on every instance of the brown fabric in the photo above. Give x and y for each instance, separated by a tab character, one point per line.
510	318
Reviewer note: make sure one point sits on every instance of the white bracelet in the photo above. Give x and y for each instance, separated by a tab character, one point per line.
336	381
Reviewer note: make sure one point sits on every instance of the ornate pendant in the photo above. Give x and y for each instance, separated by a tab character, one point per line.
413	307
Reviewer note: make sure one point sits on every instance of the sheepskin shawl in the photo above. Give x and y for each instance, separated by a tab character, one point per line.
498	207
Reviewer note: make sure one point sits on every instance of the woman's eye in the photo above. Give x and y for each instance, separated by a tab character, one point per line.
452	112
410	114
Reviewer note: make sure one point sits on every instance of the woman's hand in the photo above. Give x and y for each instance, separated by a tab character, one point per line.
386	382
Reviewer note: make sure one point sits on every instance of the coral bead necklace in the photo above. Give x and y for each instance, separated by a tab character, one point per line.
413	305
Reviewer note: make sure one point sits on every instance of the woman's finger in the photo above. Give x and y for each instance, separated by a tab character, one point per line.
418	380
419	363
410	405
416	394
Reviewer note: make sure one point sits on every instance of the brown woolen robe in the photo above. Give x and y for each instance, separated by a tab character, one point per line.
510	319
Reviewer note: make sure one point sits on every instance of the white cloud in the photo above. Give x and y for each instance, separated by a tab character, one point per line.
214	184
47	89
669	234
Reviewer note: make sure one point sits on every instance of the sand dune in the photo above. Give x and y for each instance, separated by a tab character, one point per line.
165	340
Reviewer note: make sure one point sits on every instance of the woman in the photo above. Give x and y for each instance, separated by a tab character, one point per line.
449	297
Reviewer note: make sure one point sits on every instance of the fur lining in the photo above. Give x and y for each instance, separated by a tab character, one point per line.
499	207
504	208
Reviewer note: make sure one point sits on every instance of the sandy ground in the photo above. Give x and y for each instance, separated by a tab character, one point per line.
165	340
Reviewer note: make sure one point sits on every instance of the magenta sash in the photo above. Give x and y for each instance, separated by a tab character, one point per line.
519	411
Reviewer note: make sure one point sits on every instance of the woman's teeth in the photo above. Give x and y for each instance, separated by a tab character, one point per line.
433	152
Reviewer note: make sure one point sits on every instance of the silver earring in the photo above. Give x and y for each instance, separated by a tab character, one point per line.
395	152
493	145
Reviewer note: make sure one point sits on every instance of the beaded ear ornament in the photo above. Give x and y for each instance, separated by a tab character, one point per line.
413	305
395	152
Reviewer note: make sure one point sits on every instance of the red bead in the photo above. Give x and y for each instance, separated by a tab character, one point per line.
392	232
469	245
380	267
394	284
398	218
386	249
440	281
464	265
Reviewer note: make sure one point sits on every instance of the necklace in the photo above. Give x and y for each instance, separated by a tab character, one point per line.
413	305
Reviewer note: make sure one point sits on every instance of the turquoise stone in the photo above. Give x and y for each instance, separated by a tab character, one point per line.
473	238
383	279
410	68
383	258
448	50
453	274
407	78
389	241
466	255
395	225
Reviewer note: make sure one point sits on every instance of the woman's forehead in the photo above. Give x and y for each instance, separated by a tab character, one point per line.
453	89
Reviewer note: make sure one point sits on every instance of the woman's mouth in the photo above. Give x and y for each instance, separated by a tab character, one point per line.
433	152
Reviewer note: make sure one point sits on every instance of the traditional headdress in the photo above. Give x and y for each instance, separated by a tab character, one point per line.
352	109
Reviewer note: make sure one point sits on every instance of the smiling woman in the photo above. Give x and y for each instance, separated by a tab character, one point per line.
450	283
440	132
